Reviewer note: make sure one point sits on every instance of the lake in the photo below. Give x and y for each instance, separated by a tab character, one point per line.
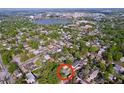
53	21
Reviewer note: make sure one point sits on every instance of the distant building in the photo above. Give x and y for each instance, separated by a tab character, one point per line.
32	17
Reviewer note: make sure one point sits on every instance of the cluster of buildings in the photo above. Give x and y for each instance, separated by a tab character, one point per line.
44	53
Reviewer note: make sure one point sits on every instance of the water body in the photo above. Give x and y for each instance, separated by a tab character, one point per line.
53	21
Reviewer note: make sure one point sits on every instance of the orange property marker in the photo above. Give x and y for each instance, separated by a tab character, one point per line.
59	68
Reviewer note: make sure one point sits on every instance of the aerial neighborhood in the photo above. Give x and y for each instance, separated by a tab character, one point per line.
33	45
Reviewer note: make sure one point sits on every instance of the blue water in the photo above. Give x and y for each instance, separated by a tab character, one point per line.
52	21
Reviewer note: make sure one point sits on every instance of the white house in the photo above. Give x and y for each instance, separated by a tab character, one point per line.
122	59
47	57
94	74
30	78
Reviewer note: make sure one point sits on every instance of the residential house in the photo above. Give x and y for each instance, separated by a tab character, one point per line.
30	78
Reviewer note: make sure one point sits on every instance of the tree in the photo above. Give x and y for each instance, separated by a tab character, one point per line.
84	51
109	57
85	71
33	44
83	48
47	74
93	49
117	56
23	38
20	80
51	26
43	36
77	55
102	66
12	67
69	61
54	35
110	69
20	46
6	57
65	50
106	75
